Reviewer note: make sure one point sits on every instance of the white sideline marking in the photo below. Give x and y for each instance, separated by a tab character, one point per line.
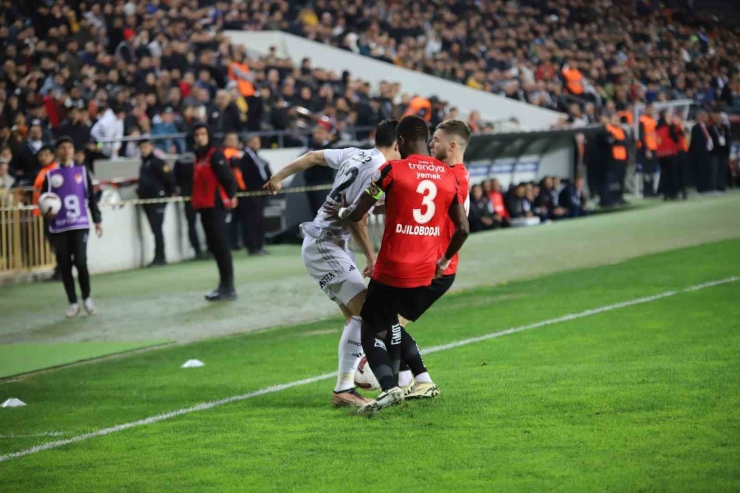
277	388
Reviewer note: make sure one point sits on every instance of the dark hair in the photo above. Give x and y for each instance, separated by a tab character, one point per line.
458	129
413	129
385	133
63	139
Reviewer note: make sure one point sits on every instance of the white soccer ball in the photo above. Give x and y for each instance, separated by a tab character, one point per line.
50	203
364	377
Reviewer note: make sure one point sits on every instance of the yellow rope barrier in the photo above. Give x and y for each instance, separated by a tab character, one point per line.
164	200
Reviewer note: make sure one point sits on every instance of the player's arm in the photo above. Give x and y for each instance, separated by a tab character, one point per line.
462	231
308	160
362	238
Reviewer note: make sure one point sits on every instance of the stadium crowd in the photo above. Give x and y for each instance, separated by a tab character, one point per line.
549	53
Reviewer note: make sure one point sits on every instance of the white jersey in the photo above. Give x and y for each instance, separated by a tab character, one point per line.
355	168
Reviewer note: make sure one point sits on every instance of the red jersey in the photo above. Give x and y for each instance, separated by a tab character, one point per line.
463	179
419	191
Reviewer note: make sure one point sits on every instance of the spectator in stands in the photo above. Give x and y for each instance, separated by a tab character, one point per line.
517	203
6	180
184	186
500	214
720	133
109	130
573	199
319	175
224	116
256	173
76	127
156	181
26	163
667	137
700	150
164	124
481	211
548	201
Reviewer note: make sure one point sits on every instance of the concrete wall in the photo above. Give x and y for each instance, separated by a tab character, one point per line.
492	107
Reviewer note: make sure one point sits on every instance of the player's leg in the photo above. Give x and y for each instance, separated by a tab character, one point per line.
213	224
64	261
414	377
381	342
342	282
79	245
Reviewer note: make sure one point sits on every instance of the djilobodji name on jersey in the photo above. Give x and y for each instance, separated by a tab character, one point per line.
416	230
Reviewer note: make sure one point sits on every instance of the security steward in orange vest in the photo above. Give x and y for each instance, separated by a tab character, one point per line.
573	78
613	142
233	157
214	190
646	148
420	106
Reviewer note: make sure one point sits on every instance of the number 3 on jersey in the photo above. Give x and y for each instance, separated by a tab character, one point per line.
428	190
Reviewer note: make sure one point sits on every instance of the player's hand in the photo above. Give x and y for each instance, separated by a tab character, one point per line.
439	272
442	265
234	203
273	185
331	208
49	215
369	268
99	230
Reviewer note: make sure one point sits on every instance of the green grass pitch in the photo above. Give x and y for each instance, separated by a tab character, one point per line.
640	398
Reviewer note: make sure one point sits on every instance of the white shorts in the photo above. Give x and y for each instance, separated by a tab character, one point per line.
332	265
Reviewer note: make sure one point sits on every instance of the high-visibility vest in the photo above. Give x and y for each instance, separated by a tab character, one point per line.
573	80
619	150
649	124
626	116
230	152
420	106
38	184
246	88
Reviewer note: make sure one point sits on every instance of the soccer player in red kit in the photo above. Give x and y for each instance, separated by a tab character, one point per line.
420	194
448	145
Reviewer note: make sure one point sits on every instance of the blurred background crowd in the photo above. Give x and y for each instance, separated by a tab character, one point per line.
99	71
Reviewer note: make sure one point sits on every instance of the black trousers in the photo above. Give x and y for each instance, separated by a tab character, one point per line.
155	216
247	220
649	167
253	230
723	166
669	172
192	215
213	221
71	249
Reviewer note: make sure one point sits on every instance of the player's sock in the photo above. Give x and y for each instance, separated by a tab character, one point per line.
378	358
412	357
350	353
404	375
393	342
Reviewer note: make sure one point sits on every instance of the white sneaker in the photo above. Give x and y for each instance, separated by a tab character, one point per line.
386	399
74	309
89	306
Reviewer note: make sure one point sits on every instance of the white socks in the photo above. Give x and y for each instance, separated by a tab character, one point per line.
423	378
405	377
350	353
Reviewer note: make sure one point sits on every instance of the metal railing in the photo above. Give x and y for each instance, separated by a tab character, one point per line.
23	245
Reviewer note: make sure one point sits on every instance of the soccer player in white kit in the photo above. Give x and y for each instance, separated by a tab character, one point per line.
325	250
